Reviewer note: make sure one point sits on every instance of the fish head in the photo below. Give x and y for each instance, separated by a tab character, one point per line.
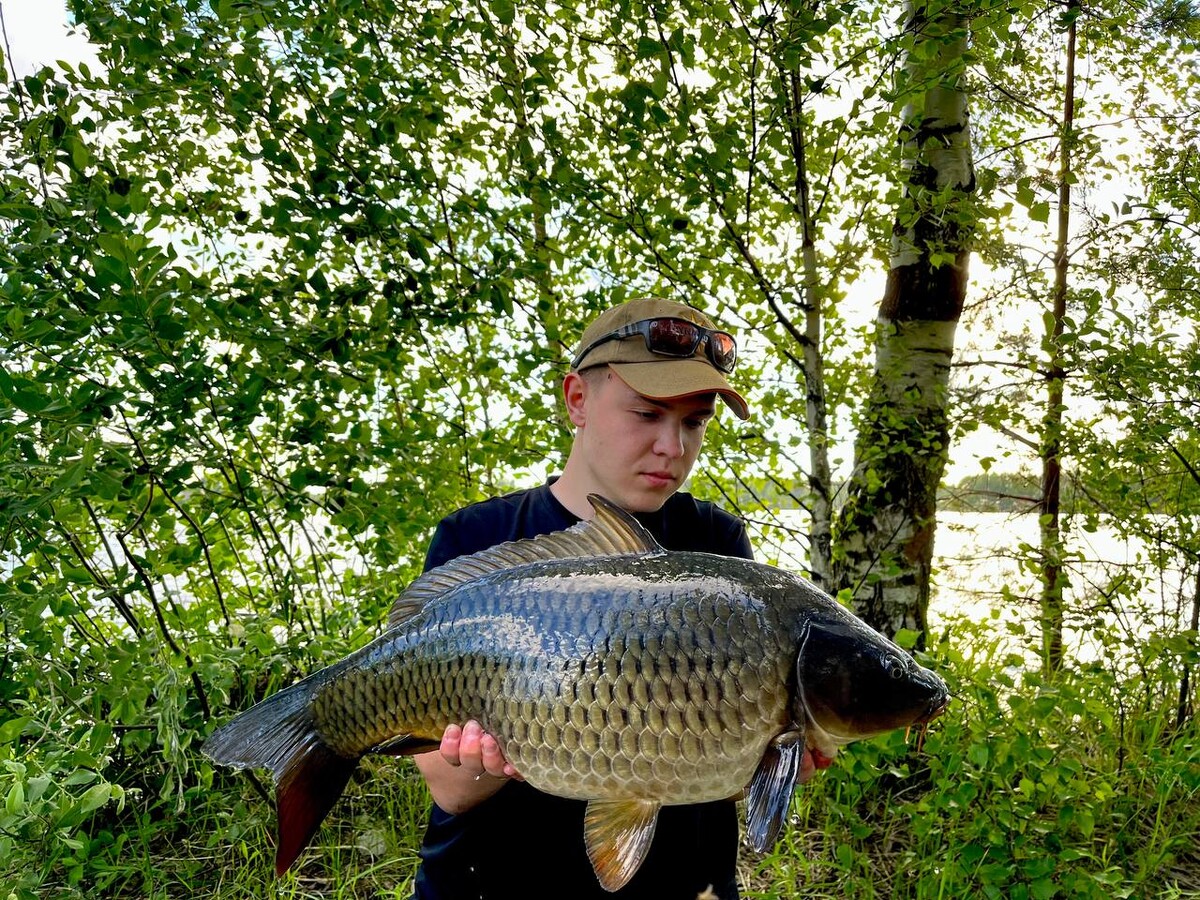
853	683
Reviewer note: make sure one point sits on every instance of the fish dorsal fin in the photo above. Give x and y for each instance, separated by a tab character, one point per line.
611	532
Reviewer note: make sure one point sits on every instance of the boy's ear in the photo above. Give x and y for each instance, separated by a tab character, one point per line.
575	390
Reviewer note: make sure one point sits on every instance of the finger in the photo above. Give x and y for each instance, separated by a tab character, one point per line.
450	746
493	759
470	753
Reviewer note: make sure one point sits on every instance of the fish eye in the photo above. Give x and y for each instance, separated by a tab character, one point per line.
896	668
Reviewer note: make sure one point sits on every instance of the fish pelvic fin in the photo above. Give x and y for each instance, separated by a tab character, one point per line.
611	532
771	789
617	834
278	734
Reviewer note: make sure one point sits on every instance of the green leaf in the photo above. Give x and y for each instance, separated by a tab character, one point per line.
505	11
94	798
15	799
1025	194
12	729
978	754
1085	821
416	248
648	48
80	777
71	476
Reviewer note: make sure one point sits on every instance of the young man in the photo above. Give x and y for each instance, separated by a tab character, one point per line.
640	392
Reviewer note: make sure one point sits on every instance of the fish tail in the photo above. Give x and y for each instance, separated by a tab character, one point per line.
279	734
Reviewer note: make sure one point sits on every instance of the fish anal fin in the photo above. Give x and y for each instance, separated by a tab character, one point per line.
406	745
771	789
306	791
617	834
611	532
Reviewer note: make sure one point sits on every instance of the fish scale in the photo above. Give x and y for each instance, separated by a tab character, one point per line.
608	670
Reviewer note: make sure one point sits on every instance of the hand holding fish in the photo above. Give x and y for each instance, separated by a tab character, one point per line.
475	751
467	768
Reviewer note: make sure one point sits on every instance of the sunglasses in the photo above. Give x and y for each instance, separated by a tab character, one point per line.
673	337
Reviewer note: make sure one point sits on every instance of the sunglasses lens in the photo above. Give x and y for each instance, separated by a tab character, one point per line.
723	349
677	337
673	337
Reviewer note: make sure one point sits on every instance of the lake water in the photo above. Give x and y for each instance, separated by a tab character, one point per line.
983	570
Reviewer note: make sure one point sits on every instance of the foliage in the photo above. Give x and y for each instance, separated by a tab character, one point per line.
1071	787
1074	786
280	284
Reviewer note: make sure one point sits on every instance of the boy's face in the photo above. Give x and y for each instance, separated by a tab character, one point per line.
636	451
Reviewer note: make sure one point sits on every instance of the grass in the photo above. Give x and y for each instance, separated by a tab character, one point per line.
365	849
1028	788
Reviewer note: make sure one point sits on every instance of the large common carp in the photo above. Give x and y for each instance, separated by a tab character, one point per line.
609	670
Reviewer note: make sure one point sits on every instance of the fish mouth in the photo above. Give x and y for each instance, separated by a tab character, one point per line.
936	708
826	743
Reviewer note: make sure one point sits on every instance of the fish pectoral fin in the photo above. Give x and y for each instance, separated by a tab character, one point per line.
771	789
406	745
618	835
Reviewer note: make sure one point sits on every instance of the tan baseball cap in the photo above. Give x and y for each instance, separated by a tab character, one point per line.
650	374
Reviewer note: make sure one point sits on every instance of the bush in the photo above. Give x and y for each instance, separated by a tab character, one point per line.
1028	787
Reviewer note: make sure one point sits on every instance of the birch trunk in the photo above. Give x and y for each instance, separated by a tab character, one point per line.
885	530
1054	578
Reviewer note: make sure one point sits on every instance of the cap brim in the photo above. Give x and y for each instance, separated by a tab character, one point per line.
675	378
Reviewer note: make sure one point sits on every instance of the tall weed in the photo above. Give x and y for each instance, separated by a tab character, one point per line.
1030	787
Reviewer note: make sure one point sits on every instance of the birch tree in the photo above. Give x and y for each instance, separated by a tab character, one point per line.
1052	422
885	530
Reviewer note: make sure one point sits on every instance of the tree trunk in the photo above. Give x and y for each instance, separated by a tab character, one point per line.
1184	708
1053	577
885	530
820	479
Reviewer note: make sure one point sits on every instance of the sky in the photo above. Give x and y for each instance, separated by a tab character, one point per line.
36	33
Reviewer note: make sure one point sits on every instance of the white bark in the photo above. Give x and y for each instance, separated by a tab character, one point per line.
886	529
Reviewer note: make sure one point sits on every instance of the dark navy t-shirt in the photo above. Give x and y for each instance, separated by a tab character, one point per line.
523	843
